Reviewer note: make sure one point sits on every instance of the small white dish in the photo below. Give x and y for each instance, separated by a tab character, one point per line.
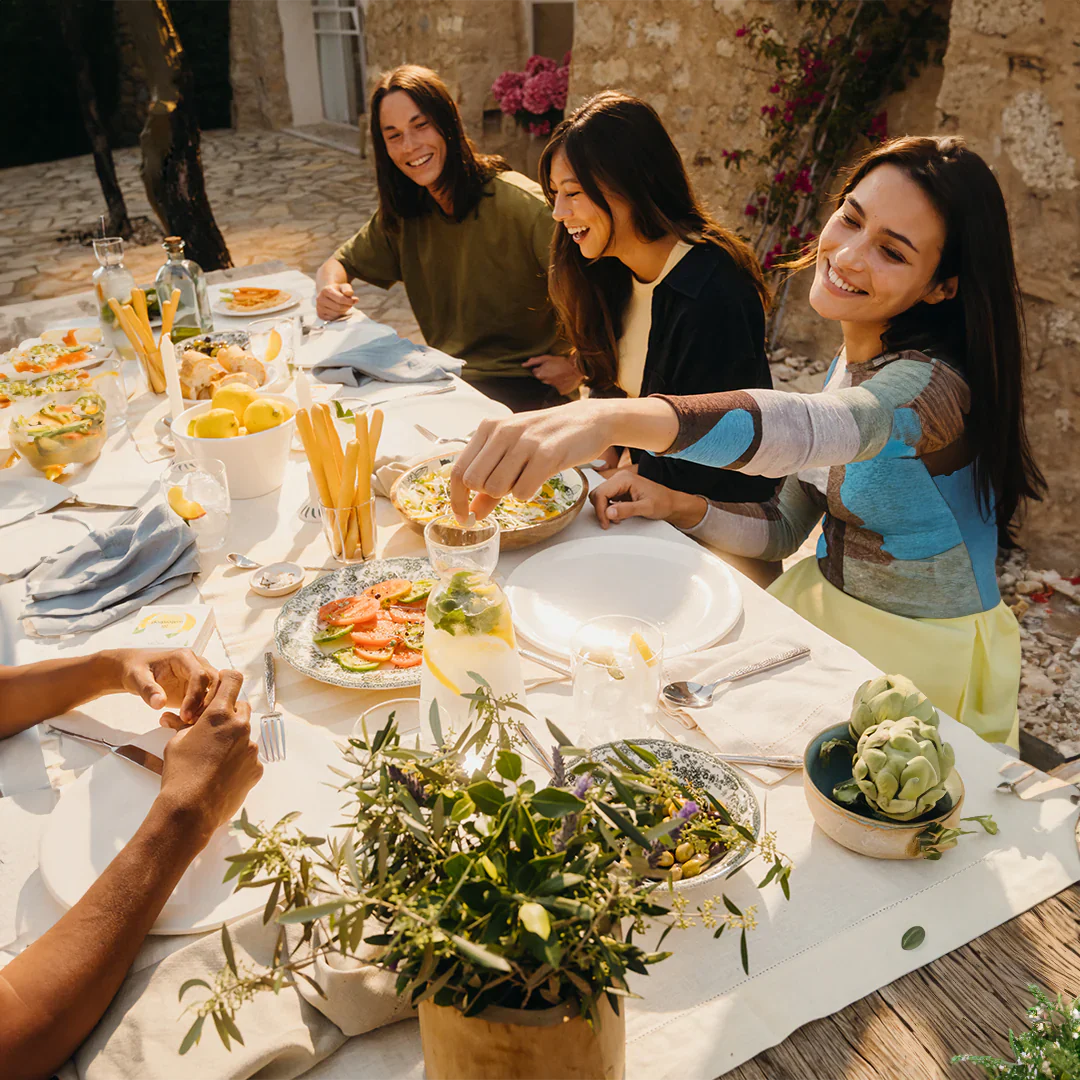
406	711
273	570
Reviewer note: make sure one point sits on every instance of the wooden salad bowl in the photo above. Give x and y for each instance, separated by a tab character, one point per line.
509	539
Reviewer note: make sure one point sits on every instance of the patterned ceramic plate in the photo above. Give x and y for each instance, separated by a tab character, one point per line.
701	769
296	624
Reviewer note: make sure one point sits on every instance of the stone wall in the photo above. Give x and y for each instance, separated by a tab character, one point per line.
468	42
1011	90
256	66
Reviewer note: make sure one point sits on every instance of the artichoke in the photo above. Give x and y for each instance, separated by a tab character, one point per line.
900	766
888	697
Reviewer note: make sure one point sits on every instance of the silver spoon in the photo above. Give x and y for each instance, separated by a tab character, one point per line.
441	439
693	695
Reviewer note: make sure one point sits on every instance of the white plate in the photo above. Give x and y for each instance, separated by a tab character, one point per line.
100	812
691	595
217	304
97	354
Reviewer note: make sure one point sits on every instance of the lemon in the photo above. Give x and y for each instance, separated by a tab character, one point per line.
262	414
234	396
273	346
188	509
217	424
642	647
439	675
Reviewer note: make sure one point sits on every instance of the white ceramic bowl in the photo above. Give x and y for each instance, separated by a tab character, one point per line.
254	464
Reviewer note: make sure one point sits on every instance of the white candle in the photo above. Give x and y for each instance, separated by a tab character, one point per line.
303	391
172	376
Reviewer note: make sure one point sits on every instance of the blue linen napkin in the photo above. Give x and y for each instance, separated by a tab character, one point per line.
110	574
370	350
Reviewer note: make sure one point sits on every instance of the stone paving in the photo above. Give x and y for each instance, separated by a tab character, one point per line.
273	195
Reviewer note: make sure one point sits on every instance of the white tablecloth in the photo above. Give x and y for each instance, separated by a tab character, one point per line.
837	940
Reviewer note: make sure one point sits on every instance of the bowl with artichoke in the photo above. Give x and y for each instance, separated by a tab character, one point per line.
877	782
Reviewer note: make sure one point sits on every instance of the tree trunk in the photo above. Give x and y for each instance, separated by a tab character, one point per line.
172	165
69	15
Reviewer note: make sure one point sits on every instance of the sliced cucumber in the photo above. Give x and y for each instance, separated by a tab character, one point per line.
351	662
412	636
419	590
333	633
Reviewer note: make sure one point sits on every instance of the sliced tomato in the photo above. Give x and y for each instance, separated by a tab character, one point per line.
328	611
361	610
406	658
70	339
374	655
391	589
401	614
379	637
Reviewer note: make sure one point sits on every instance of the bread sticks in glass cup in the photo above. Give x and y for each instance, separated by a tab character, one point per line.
342	477
135	322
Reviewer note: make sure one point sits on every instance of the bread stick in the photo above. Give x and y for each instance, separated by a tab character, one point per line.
314	455
346	496
168	312
363	488
374	434
327	439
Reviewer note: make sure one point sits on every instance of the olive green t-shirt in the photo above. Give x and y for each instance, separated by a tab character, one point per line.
478	287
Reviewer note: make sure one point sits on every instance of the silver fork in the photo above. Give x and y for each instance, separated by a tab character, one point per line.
272	725
440	439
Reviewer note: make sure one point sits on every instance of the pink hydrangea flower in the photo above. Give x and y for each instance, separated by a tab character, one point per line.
541	128
544	91
566	58
507	89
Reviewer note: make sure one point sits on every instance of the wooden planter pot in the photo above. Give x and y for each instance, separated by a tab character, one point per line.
522	1044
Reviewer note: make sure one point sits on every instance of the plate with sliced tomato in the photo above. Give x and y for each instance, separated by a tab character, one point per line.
361	626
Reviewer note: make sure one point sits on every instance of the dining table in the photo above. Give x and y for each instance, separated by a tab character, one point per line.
832	992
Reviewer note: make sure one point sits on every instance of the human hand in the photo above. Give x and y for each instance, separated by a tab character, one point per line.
164	677
558	371
335	300
212	765
628	495
519	453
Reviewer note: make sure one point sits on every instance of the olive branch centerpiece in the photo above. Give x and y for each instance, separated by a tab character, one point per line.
479	888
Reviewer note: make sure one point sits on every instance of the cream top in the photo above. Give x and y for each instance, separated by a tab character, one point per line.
634	343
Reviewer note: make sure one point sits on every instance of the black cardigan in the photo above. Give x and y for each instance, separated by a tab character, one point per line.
707	335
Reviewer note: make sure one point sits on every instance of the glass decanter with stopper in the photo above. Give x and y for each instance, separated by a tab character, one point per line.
193	315
467	624
112	281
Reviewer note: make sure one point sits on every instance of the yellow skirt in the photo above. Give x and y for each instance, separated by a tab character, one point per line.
968	667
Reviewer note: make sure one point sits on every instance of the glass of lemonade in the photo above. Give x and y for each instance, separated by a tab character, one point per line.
198	492
467	625
616	664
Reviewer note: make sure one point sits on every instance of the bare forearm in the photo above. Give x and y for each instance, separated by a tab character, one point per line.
643	423
37	692
53	994
330	273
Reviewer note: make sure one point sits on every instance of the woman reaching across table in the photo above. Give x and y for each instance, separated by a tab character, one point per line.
916	452
653	294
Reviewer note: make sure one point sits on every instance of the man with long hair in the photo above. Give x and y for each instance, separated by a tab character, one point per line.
469	238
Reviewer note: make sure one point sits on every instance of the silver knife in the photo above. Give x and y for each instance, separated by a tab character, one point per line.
133	753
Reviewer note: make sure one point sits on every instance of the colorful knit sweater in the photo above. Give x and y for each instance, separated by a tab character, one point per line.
881	452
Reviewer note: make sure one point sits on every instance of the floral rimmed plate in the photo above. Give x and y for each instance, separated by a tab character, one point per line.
700	769
297	624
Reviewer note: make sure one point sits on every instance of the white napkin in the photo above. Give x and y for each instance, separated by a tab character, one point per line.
21	496
773	713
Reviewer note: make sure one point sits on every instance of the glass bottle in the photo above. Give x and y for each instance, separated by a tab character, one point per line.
467	624
193	313
112	281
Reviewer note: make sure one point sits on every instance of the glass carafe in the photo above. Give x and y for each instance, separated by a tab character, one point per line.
112	281
467	625
193	315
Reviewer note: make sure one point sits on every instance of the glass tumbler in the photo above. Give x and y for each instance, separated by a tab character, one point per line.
198	492
616	664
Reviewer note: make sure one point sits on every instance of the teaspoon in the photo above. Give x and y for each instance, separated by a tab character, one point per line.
694	695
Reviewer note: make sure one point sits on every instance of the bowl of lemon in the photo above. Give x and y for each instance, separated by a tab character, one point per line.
250	431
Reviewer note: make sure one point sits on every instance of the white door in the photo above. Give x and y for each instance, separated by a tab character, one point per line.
340	47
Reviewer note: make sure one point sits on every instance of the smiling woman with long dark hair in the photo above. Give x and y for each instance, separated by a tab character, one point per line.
468	237
654	294
916	452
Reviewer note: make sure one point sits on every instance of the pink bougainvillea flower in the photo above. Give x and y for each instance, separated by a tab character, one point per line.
566	58
793	232
775	88
741	32
780	177
879	126
539	63
751	210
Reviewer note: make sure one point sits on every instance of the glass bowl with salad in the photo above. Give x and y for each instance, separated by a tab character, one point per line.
60	434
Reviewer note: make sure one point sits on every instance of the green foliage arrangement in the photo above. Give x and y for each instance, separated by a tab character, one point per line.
828	93
1048	1050
480	888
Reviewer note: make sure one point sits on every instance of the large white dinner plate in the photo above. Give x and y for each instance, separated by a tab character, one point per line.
691	595
218	303
101	811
